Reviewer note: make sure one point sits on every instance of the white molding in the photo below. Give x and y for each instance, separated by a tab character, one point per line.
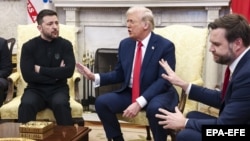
147	3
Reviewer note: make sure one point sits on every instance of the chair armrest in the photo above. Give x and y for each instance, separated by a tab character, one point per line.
12	80
183	100
76	79
183	96
198	82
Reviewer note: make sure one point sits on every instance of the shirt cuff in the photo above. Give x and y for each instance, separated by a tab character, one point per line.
187	91
142	101
96	83
186	122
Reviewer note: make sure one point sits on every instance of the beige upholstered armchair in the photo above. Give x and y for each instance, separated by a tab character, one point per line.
9	111
190	44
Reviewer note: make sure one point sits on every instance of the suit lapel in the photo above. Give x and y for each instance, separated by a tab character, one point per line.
129	52
239	66
148	54
241	63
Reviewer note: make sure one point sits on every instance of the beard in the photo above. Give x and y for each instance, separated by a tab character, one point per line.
51	35
225	59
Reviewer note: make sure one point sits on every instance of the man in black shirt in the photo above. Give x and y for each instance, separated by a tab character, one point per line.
46	63
5	68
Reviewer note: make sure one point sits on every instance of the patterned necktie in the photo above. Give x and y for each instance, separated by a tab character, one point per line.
137	71
225	83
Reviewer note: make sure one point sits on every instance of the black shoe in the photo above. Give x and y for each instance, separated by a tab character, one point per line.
119	138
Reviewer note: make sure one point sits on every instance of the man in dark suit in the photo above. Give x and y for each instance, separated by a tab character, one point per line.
230	39
5	68
155	92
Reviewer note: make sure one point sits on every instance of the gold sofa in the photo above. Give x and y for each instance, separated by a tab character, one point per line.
190	44
9	111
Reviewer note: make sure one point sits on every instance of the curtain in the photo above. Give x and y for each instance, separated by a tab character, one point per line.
241	7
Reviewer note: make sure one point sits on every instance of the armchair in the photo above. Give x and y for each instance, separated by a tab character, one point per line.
9	111
190	44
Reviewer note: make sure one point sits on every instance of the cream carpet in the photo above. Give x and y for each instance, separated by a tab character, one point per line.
131	132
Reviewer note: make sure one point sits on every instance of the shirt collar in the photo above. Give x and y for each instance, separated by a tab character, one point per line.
237	60
146	40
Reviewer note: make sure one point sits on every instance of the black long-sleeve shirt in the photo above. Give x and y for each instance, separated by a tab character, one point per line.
47	55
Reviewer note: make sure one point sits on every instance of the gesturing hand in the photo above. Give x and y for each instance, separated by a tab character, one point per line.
171	76
85	71
171	120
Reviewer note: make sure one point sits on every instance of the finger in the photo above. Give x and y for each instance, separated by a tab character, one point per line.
124	114
79	65
62	63
177	109
160	116
165	66
164	76
162	123
161	62
164	111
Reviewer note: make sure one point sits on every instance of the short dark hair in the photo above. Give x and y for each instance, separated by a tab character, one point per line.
236	26
43	13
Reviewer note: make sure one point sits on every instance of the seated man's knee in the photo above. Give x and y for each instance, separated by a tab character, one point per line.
182	135
192	114
152	109
28	103
100	102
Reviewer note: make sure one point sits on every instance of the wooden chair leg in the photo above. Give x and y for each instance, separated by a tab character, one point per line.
148	133
172	134
79	121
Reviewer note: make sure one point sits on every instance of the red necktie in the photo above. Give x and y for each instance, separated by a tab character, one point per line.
225	83
137	71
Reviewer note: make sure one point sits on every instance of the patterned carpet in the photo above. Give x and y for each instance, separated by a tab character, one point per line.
131	132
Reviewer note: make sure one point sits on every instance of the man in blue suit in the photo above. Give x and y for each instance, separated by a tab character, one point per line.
230	39
155	92
5	68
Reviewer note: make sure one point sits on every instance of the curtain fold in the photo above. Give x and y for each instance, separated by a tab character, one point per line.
241	7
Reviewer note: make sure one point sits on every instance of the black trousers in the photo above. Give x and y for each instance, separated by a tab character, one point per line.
3	90
34	100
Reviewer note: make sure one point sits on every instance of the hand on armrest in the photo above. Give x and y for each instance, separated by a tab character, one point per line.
12	80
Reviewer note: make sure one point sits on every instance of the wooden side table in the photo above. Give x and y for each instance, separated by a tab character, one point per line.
61	133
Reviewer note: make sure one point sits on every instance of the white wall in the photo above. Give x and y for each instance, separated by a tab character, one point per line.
13	12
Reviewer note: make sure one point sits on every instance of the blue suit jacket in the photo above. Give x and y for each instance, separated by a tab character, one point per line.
235	109
151	81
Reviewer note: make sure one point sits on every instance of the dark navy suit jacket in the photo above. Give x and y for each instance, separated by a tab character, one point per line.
151	81
5	59
235	109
